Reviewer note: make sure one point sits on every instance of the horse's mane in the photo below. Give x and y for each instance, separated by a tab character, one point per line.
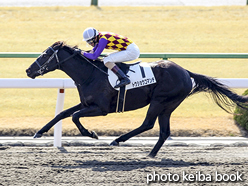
63	44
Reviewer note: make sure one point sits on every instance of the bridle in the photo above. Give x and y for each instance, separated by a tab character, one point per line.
44	66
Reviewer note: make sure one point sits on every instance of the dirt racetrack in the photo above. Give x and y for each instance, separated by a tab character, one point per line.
104	165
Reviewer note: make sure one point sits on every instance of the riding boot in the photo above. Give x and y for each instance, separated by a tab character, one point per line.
122	77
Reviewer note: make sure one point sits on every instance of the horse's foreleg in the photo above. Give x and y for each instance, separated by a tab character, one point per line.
85	112
64	114
164	123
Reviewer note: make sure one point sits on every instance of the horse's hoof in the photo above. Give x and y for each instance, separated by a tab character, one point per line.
114	143
151	156
94	135
37	135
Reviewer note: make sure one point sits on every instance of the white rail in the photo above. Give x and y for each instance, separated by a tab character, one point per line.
59	83
63	83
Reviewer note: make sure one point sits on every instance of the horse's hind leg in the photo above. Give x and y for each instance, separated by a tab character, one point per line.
164	123
64	114
148	124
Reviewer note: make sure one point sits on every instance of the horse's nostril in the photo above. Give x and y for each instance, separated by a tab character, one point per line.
28	71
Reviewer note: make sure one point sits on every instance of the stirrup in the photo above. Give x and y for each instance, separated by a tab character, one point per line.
123	82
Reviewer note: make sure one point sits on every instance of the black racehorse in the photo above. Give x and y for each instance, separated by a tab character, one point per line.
98	98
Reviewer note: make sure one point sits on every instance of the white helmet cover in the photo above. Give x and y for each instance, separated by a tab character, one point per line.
90	33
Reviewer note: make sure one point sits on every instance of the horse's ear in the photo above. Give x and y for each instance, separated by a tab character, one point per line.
58	44
61	44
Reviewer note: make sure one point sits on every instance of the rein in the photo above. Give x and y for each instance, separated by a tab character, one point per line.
94	65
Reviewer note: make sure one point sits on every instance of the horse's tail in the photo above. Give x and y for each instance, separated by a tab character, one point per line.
221	94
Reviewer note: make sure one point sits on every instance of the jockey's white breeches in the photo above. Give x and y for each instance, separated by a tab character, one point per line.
131	53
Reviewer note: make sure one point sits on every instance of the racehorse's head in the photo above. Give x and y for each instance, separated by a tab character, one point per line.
46	62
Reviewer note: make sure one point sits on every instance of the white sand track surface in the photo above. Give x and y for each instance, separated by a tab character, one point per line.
104	165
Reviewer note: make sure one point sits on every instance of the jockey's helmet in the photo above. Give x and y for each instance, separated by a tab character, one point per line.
89	34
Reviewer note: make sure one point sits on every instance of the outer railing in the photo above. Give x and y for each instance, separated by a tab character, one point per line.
143	55
61	83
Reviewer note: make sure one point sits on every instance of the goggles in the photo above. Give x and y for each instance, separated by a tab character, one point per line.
90	41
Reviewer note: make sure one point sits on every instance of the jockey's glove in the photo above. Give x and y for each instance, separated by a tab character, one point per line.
77	50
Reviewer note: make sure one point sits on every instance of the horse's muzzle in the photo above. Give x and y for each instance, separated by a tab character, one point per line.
30	74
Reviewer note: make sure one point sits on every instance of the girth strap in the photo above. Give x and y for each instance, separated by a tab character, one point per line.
121	99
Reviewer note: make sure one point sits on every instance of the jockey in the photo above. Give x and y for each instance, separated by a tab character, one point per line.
127	51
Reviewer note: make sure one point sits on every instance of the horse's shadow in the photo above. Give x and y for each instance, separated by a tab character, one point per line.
102	166
130	164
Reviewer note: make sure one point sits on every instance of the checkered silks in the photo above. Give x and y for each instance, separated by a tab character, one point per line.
115	41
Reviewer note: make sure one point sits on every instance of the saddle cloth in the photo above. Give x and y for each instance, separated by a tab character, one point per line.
140	74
